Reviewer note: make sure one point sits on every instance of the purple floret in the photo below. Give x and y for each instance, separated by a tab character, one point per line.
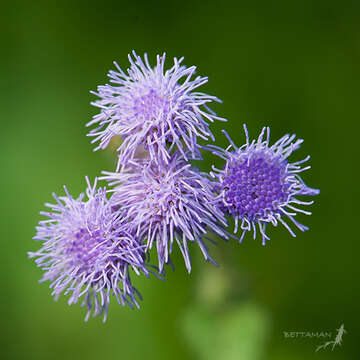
166	203
87	253
258	185
154	108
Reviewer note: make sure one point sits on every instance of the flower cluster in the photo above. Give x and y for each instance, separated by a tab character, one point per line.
154	108
167	203
258	185
91	245
88	252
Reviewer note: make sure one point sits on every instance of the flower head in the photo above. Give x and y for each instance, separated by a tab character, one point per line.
258	185
154	108
87	253
167	203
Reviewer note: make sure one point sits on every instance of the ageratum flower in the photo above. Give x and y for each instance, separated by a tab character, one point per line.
258	185
152	107
167	203
87	253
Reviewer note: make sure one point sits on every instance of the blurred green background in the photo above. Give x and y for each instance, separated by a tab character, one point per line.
293	65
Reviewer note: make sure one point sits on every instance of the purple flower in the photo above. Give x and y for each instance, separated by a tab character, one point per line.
258	185
152	107
167	203
86	252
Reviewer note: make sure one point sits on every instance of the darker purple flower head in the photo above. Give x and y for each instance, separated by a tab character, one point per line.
167	203
154	108
87	253
258	185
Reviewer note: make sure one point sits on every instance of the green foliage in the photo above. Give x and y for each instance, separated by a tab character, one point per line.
234	332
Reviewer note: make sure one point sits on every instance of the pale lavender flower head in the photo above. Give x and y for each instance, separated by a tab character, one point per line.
258	185
168	203
87	253
154	108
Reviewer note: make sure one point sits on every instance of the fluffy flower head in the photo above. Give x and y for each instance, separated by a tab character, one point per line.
152	107
258	185
167	203
86	253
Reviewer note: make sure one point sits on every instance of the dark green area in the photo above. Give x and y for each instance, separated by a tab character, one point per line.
292	65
